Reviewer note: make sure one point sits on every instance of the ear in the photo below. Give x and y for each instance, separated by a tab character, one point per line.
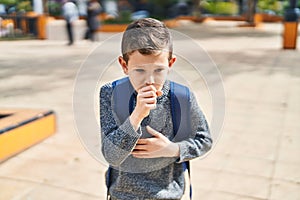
123	65
172	61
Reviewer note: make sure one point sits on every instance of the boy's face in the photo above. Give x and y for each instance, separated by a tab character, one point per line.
144	70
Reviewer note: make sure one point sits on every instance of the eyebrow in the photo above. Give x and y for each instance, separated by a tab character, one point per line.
146	65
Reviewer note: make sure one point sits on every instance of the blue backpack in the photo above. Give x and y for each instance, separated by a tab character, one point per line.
122	104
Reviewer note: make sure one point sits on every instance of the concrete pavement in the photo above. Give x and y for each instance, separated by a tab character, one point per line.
256	158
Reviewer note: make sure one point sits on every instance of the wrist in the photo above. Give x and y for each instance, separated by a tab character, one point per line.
175	150
135	120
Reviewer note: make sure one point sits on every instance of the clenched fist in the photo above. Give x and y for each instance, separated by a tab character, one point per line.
146	101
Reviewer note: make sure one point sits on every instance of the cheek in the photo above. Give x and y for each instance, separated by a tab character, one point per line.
136	81
161	78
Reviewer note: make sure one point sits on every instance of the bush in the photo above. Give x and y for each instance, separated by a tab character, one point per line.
269	6
24	6
9	2
20	5
54	8
221	8
123	18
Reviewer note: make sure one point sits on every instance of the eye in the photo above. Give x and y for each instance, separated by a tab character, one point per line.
159	70
140	70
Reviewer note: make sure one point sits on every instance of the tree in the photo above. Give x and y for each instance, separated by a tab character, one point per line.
19	5
196	8
251	10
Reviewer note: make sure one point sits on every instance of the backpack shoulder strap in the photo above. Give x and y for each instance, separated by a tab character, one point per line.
122	98
180	110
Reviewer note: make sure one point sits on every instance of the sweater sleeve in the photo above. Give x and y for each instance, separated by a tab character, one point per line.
117	140
200	140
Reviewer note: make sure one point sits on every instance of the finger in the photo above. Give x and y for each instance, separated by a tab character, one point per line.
144	155
140	154
150	102
151	87
142	141
147	88
151	106
139	148
152	131
151	94
147	94
159	93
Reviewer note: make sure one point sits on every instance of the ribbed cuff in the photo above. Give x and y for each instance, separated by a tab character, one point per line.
128	129
182	151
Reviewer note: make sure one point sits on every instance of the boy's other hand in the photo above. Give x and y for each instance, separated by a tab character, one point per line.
157	146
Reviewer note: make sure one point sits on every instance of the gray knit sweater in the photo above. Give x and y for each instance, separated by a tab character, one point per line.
157	178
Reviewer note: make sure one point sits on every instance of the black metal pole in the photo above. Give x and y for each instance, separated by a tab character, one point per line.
293	3
241	6
291	14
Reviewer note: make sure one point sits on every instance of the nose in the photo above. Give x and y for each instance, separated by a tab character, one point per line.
150	80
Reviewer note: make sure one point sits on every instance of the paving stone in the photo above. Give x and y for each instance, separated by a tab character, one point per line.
243	185
285	190
287	172
216	195
249	166
14	189
203	179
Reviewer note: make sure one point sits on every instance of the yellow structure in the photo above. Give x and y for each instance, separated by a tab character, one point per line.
20	129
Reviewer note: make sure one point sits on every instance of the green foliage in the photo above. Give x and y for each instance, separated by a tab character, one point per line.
221	8
21	5
161	3
123	18
24	6
271	5
9	2
286	3
160	8
54	8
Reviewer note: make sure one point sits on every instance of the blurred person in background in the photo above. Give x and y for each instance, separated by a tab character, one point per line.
93	10
70	13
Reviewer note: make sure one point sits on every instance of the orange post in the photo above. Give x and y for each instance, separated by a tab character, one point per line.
290	35
258	19
41	27
24	26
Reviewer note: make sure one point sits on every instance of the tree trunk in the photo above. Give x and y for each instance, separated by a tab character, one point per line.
251	10
196	8
45	4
